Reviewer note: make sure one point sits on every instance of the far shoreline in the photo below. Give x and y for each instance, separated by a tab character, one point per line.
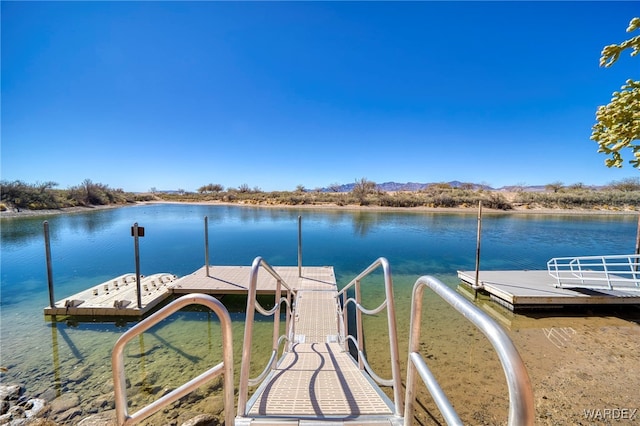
421	209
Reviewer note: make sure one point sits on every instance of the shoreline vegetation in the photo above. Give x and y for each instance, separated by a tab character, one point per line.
19	199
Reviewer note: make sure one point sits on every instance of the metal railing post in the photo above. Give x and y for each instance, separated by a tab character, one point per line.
521	408
225	367
359	329
638	240
388	303
345	320
243	389
252	306
606	273
597	272
276	316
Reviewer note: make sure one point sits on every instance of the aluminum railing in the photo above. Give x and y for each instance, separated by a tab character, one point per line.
597	272
225	367
252	306
521	410
358	339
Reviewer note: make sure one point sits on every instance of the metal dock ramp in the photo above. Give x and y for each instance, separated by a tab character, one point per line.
317	378
318	372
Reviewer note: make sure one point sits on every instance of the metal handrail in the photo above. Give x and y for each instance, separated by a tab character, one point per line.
396	380
252	306
597	272
225	367
521	409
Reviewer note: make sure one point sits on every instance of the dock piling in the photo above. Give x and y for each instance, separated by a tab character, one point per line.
47	247
477	282
206	243
299	246
135	231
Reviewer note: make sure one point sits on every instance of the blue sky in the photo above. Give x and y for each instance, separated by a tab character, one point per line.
176	95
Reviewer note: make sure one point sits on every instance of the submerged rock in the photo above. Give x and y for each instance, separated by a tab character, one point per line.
36	407
65	402
10	392
202	420
105	418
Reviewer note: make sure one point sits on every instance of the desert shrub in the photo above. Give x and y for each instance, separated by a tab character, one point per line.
496	201
24	195
585	198
628	184
400	199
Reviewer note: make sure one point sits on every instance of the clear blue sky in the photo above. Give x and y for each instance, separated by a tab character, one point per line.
176	95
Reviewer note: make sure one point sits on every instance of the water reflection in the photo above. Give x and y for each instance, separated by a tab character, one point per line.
363	222
57	384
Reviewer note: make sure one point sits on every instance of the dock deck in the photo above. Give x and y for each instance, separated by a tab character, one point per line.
537	289
117	297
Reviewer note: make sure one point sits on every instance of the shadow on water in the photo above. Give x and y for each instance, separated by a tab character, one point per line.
539	317
170	346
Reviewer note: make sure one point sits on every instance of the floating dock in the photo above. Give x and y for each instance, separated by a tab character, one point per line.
117	297
535	289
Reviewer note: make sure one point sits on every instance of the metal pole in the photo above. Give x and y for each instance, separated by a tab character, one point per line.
638	244
638	237
477	282
206	243
137	254
299	246
47	247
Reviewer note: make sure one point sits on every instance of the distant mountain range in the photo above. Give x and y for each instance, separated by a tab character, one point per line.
415	186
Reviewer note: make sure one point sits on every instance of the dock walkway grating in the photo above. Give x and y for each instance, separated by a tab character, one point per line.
317	380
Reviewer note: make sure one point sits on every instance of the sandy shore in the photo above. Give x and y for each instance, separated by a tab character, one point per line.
50	212
471	210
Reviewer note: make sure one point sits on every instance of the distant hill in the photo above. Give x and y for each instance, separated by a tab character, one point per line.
415	186
408	186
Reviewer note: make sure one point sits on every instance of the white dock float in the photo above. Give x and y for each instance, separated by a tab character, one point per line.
537	289
116	297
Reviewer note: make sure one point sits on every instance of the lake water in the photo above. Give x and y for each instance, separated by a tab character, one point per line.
52	359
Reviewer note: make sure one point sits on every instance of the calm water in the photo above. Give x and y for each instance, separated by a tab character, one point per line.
90	248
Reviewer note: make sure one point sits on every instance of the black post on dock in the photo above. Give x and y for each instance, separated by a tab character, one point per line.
477	282
47	247
206	244
136	232
299	246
